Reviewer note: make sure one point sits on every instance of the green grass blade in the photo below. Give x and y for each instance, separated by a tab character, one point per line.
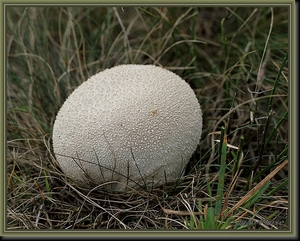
210	219
278	188
256	196
222	158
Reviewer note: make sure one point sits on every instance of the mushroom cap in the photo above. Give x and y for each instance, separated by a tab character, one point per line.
131	126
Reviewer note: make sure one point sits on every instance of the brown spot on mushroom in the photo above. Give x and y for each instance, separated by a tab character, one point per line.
153	112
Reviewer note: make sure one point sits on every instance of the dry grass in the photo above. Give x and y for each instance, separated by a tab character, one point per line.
234	59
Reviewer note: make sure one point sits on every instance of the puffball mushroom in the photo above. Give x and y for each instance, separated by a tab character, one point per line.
131	126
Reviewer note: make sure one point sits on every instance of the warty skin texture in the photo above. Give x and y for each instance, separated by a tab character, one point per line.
135	125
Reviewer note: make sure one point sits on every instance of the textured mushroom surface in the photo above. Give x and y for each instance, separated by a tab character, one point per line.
131	125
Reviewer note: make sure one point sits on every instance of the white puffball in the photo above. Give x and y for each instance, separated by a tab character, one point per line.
135	125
